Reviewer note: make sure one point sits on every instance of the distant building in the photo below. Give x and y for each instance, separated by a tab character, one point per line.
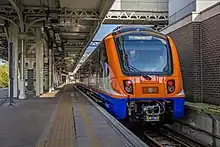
179	9
141	5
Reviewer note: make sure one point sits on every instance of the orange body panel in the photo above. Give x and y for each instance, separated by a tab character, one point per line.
116	75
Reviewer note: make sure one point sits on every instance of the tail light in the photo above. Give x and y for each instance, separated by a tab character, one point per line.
170	86
128	86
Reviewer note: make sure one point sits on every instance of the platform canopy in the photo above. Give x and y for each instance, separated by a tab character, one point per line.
69	25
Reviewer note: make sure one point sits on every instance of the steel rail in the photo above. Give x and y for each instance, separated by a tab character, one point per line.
152	141
183	138
170	136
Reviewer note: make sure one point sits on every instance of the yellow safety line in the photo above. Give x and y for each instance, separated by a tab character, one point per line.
86	119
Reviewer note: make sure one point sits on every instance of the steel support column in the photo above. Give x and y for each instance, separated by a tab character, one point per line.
42	68
55	78
38	60
47	87
52	76
13	37
50	70
15	55
9	41
22	69
11	67
59	78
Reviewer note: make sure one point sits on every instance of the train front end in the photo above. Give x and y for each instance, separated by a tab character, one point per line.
149	75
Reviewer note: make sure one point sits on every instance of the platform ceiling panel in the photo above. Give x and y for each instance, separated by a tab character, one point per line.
77	32
32	2
41	3
81	4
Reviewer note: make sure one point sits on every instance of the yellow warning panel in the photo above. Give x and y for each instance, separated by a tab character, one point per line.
49	95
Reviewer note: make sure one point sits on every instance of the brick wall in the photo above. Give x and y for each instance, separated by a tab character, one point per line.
197	69
183	39
187	42
198	44
210	43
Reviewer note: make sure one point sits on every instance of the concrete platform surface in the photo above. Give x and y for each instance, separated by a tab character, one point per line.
66	120
3	95
22	124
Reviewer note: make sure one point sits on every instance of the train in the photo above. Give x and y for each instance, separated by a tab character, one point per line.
135	73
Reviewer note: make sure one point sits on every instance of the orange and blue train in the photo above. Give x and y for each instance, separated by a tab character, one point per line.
135	72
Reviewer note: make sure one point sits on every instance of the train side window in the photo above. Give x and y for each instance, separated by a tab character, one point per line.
105	62
101	62
94	62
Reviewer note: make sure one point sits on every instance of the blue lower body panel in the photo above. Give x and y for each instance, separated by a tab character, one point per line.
178	107
118	107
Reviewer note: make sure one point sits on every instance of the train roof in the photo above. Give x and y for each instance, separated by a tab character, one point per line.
122	29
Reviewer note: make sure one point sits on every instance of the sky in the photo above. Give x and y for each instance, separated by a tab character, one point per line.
102	32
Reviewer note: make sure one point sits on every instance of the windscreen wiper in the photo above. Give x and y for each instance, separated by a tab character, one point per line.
133	68
142	74
125	59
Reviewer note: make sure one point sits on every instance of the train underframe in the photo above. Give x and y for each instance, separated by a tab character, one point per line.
150	111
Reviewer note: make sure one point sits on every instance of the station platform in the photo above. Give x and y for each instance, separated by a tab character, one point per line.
64	119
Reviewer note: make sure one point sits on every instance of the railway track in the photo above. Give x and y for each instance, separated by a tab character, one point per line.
155	136
165	137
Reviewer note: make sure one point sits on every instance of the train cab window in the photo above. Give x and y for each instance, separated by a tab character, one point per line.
144	53
104	71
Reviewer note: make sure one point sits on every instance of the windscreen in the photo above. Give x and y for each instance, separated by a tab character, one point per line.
144	53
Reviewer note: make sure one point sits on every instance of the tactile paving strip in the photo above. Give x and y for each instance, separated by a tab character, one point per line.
63	133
